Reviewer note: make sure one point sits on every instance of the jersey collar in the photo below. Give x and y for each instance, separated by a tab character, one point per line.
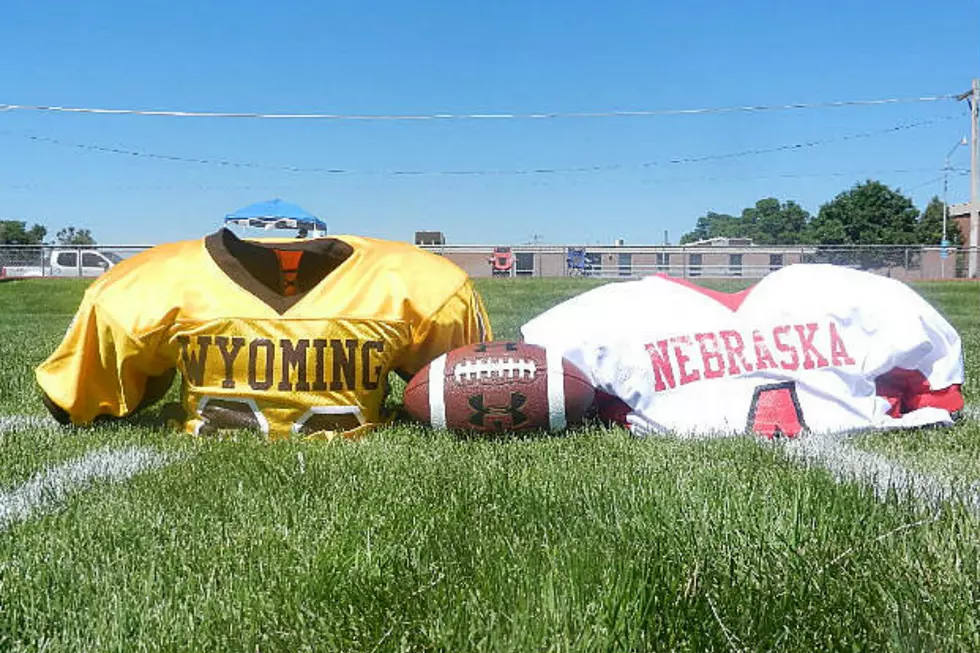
254	266
732	301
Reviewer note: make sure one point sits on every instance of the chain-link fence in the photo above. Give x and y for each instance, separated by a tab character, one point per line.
902	262
17	261
911	262
752	262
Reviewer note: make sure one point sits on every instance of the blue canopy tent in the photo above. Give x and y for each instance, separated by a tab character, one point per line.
277	214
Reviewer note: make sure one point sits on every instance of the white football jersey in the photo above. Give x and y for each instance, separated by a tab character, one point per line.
817	348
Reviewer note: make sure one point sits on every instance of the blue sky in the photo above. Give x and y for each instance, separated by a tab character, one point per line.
426	57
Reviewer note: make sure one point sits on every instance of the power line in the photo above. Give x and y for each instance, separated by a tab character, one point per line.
807	144
35	186
936	180
811	175
481	172
473	116
163	157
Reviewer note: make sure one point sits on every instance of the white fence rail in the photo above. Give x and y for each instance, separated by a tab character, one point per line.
912	262
903	262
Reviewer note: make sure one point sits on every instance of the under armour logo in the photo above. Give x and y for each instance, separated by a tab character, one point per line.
495	416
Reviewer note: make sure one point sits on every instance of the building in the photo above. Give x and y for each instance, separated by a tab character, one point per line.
430	238
720	257
721	241
960	214
625	261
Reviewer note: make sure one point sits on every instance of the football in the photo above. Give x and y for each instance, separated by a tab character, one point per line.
499	386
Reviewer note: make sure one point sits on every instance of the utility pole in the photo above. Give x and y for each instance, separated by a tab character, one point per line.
944	240
974	180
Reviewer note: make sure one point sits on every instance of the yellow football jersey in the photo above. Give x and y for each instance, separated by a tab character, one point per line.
294	338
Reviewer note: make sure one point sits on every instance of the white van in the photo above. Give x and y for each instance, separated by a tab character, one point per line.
66	263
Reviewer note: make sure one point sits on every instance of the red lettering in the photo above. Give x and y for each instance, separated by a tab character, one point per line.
794	361
775	411
763	357
806	333
661	365
709	352
838	353
685	376
733	348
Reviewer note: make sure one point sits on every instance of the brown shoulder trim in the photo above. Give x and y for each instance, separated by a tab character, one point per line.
317	263
255	267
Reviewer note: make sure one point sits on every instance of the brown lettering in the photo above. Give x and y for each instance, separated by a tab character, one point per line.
343	363
193	364
319	372
229	357
294	356
270	357
370	377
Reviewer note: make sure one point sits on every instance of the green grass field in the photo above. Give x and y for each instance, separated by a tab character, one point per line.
417	540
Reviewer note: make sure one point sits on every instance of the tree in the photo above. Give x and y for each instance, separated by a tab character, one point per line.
15	232
868	214
72	236
929	231
713	225
769	222
772	223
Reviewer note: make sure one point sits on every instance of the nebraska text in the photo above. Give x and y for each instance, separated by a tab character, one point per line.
684	359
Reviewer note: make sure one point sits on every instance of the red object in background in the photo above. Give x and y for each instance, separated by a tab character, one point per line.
502	261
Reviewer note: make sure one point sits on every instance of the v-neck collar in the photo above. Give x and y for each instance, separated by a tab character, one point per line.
731	301
255	268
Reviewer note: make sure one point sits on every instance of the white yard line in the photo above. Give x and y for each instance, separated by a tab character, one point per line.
54	485
11	423
838	455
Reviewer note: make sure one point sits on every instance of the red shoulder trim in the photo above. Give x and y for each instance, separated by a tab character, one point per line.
729	300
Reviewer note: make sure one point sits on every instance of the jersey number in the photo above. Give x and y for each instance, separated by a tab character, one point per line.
775	411
219	413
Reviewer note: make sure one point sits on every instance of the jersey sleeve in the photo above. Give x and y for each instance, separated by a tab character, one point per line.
923	365
100	369
461	320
